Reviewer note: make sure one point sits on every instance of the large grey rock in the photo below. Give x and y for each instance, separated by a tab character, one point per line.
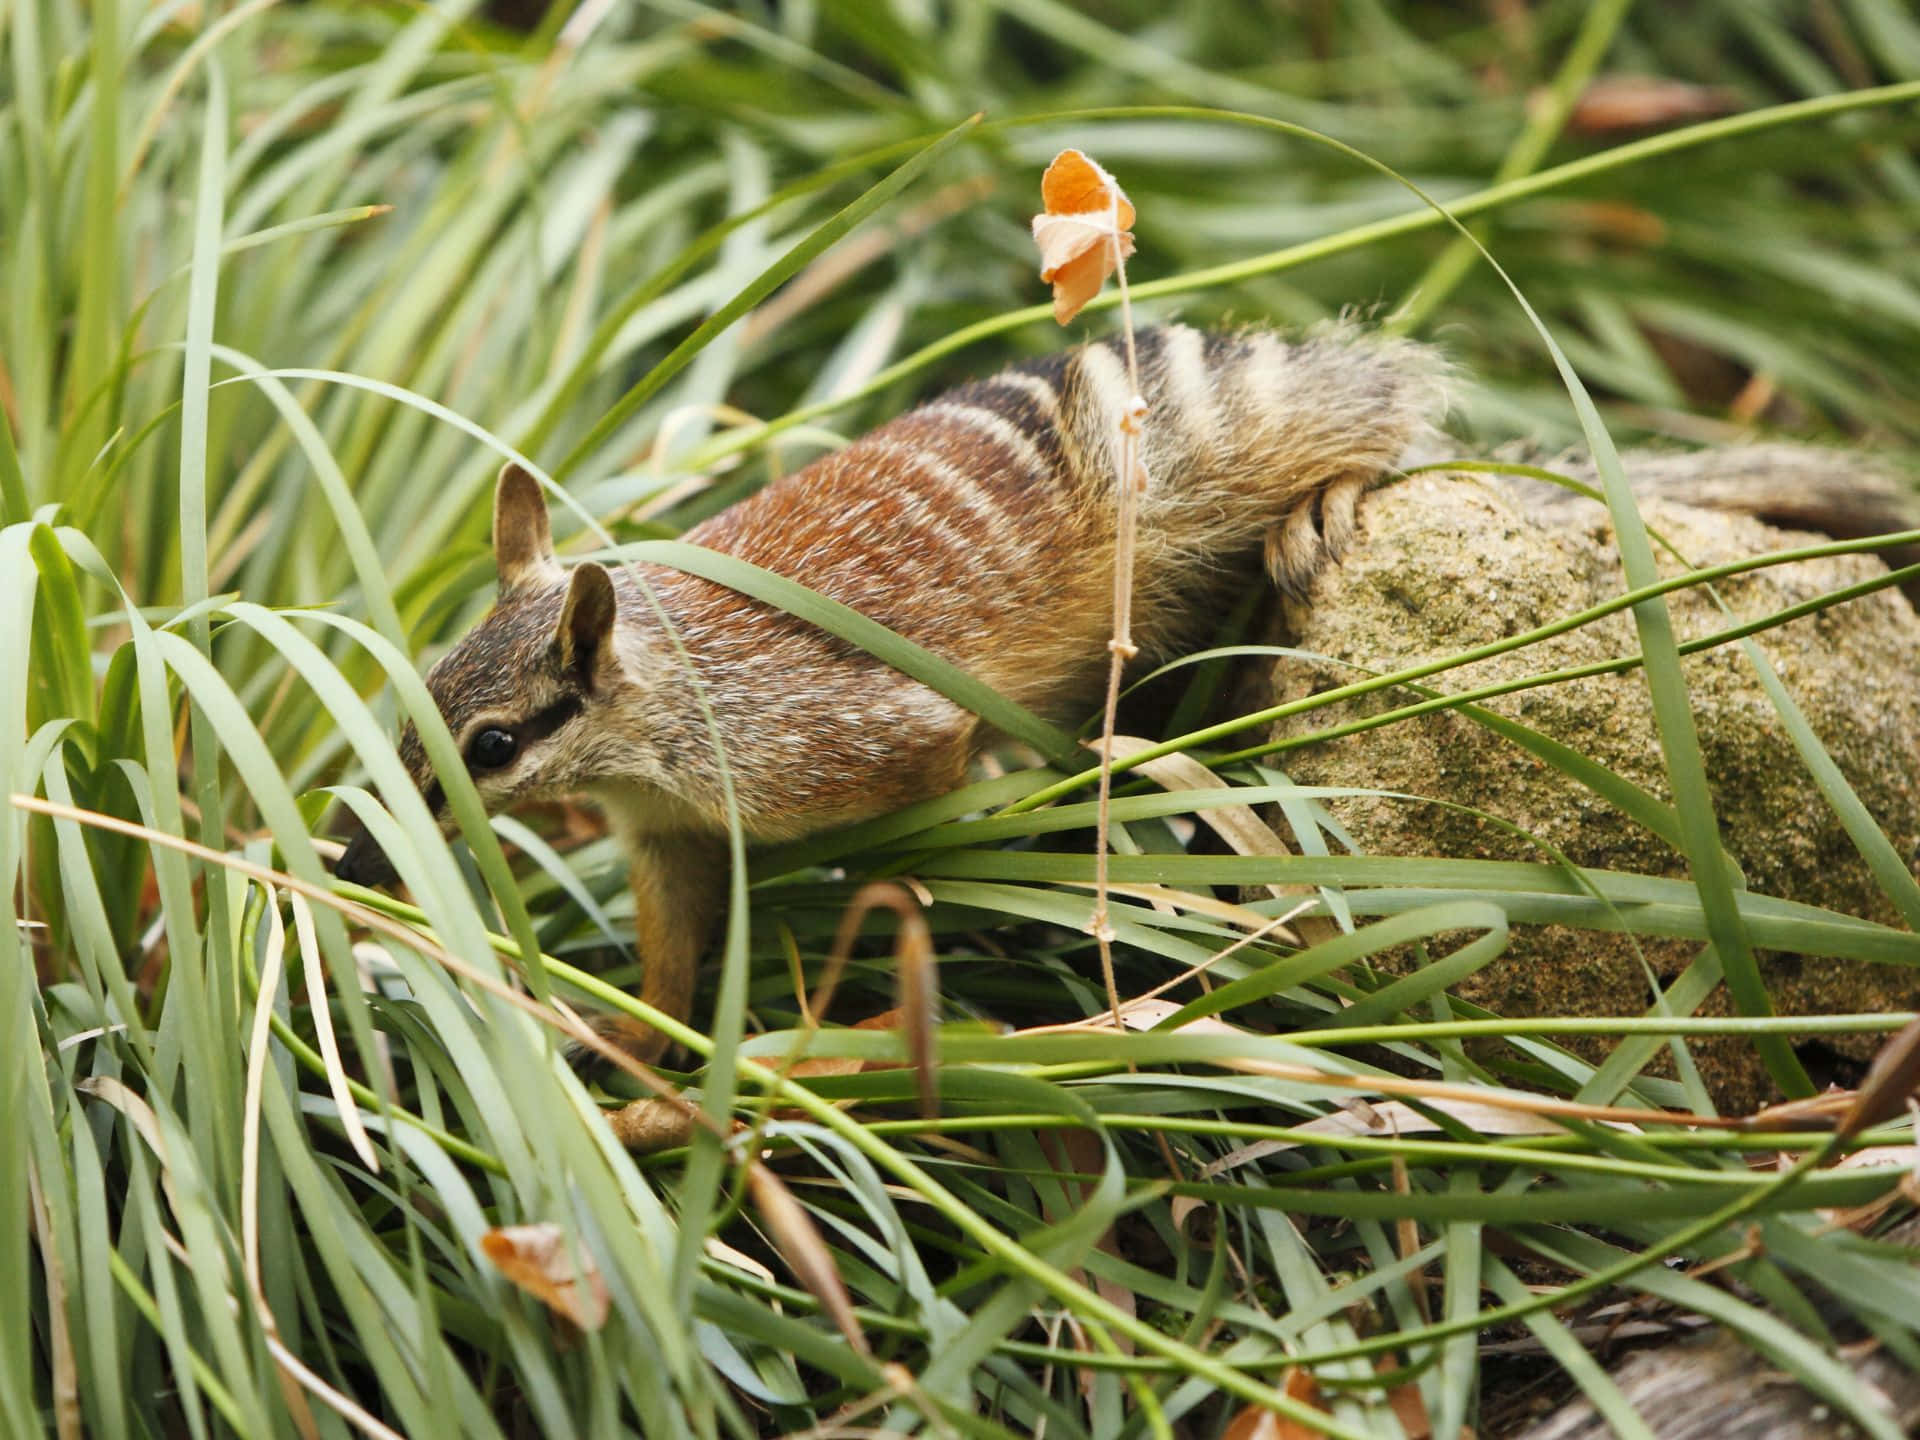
1718	1389
1444	563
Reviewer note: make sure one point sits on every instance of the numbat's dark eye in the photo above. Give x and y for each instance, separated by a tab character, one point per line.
491	749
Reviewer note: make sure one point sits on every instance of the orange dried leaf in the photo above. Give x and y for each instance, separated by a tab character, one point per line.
538	1259
1076	185
1254	1424
1084	232
1259	1424
1409	1405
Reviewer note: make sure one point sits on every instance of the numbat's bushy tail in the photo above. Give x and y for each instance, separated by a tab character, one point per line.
1841	493
980	526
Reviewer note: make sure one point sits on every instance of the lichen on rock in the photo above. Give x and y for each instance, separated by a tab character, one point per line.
1448	562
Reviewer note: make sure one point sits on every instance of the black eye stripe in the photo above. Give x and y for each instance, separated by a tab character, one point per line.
542	723
549	719
538	727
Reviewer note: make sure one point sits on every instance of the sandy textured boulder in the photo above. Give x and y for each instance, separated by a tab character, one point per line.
1445	563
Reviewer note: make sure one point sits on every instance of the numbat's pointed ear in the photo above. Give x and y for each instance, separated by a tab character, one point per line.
522	538
585	635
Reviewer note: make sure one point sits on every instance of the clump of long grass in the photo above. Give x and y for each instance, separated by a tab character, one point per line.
282	285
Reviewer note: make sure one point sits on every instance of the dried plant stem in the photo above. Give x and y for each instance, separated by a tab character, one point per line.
1130	481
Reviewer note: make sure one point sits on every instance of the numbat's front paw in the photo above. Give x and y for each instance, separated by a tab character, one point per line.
644	1043
1319	529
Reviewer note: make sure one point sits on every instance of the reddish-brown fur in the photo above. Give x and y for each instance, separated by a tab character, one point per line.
979	526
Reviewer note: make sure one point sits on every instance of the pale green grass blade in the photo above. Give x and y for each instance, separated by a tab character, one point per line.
572	206
1425	218
99	278
19	1399
1528	893
374	586
1344	950
105	977
1686	770
817	242
1891	872
21	1078
14	505
1573	1357
107	1352
1598	27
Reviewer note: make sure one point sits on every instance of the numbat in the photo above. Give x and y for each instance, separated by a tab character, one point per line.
979	526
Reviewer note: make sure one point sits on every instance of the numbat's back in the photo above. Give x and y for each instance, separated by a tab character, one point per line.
979	526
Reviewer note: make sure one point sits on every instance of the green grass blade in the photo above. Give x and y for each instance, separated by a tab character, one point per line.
838	619
763	285
15	507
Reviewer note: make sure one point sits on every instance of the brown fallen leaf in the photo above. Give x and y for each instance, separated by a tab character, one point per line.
539	1260
1612	103
1257	1425
1613	221
648	1125
1815	1113
1182	1208
814	1067
1239	825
